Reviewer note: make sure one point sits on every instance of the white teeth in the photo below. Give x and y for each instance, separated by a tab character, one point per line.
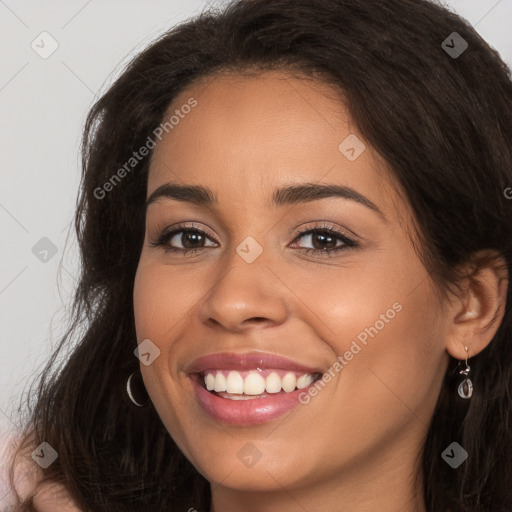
220	382
289	381
305	380
235	383
273	383
254	384
209	381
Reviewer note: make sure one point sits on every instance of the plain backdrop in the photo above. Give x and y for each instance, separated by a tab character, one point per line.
43	102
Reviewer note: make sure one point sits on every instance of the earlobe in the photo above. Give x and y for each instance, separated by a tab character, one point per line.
480	307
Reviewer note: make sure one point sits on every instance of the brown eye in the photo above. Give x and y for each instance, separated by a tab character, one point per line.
326	241
322	241
190	239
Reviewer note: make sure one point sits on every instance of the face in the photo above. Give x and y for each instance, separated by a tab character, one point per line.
261	305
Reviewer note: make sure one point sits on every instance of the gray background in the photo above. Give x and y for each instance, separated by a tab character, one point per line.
43	103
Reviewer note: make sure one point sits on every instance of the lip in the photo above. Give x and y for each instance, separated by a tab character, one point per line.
247	361
246	412
252	411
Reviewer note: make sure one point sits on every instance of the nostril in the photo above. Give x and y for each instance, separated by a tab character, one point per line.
256	320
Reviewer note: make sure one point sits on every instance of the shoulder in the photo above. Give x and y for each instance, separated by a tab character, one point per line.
9	440
47	497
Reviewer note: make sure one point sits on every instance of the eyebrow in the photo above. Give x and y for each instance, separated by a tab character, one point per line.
286	195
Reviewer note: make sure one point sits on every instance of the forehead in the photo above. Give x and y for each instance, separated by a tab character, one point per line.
247	135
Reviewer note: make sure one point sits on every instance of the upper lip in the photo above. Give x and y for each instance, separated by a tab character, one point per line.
247	361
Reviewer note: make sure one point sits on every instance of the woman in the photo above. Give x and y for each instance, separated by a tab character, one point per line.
296	236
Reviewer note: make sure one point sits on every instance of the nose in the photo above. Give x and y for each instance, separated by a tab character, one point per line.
245	295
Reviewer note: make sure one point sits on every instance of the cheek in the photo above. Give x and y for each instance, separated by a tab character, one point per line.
392	365
157	310
381	322
160	299
159	307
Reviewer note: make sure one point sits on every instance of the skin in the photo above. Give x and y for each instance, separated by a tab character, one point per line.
47	496
356	445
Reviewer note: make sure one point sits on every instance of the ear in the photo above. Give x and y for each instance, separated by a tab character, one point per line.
477	311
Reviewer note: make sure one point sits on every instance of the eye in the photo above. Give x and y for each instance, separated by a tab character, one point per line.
190	237
325	240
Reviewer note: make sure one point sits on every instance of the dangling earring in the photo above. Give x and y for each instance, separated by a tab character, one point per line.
465	388
138	395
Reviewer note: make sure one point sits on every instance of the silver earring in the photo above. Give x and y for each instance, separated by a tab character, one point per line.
138	395
465	388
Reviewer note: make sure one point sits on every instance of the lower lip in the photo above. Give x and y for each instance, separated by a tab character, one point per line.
246	412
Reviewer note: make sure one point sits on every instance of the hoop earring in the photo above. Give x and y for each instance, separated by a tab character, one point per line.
138	397
465	388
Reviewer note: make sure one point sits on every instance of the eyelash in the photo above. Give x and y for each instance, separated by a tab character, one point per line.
348	242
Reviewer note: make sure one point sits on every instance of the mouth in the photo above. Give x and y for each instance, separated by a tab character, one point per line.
251	388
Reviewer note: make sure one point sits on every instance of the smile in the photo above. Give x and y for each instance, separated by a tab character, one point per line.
249	389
